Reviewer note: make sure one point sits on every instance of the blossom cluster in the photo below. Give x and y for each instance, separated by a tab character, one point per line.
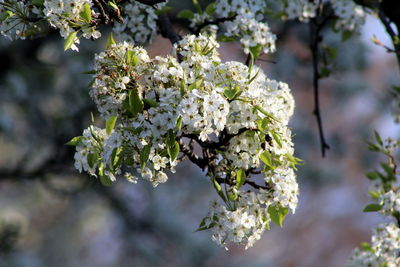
384	249
77	18
67	15
299	9
18	20
156	108
139	25
246	24
349	15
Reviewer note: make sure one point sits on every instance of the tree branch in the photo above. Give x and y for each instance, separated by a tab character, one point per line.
315	38
211	22
167	30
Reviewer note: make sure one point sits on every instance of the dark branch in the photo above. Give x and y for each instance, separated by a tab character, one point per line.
211	22
166	29
315	39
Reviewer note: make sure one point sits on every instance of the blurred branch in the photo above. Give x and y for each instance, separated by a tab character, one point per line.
211	22
315	38
166	29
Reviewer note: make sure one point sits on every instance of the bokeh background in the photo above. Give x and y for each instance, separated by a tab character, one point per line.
52	216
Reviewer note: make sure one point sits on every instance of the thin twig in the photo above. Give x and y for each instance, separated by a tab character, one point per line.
315	39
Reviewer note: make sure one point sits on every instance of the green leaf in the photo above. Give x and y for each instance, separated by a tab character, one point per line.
374	147
372	175
330	51
366	247
206	227
230	93
6	15
150	102
110	41
86	13
276	137
197	6
144	156
372	207
218	187
179	123
195	85
389	171
255	51
91	159
185	14
113	5
255	76
277	214
131	58
378	138
223	38
105	180
76	141
37	2
110	123
210	9
163	10
89	72
375	195
173	151
135	103
70	40
324	72
346	35
170	138
115	156
267	159
240	178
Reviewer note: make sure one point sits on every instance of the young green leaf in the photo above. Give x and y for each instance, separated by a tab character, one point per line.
70	40
173	151
218	187
378	138
110	123
372	207
267	159
179	123
76	141
105	180
240	178
144	156
135	103
110	41
277	214
185	14
86	13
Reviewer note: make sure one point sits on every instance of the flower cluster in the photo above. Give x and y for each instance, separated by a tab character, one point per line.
390	202
246	24
67	15
139	25
299	9
156	108
350	15
19	20
383	251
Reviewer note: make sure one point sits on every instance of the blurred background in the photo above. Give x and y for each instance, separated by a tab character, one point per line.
52	216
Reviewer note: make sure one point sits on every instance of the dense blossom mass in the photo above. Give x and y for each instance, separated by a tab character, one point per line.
384	249
234	112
